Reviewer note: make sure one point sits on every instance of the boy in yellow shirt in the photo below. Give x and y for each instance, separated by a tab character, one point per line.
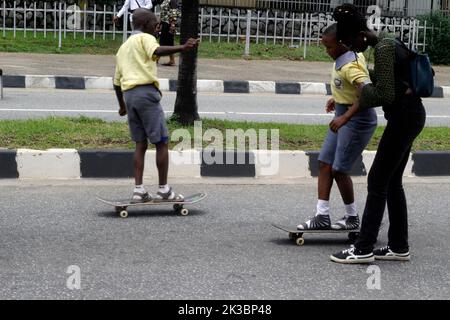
346	139
137	90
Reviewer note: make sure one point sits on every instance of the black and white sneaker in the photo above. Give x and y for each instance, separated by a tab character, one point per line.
352	256
387	254
139	197
168	196
319	222
347	223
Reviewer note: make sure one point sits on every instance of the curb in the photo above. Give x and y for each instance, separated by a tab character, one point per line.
77	164
211	86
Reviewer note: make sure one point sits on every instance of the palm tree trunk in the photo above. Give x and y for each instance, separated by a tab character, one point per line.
186	107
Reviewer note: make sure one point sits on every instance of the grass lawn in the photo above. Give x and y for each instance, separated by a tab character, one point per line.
49	44
211	50
87	133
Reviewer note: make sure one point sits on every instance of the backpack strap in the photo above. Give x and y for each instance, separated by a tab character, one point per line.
402	66
129	8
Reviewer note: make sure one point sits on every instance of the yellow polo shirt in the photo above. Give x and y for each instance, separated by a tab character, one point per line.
349	71
136	62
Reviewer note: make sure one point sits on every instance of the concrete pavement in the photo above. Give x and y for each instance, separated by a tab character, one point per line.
225	248
196	164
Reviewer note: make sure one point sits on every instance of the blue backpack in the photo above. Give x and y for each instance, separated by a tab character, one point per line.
421	73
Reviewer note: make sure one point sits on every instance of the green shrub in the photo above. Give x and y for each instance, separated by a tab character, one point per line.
438	41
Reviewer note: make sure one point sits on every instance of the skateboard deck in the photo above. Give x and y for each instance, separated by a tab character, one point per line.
122	205
297	235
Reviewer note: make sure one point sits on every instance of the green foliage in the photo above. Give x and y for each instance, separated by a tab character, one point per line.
438	42
91	133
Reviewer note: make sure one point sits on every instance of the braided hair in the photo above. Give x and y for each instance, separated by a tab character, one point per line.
350	22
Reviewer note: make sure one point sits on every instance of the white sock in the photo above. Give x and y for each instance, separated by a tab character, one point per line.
164	188
323	207
350	210
140	189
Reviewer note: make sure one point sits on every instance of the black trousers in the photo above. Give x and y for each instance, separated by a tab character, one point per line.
167	38
385	177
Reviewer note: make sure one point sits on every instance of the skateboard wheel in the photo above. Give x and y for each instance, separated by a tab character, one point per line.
177	207
120	209
300	241
123	214
184	212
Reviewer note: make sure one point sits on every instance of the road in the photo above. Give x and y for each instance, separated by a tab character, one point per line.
305	109
225	248
15	63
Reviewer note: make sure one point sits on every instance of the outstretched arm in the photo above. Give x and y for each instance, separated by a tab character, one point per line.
382	92
124	8
167	51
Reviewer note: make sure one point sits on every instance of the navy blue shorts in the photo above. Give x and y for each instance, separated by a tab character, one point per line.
145	115
342	149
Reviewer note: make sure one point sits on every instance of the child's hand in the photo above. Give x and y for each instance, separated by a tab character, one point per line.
330	106
191	44
122	111
338	123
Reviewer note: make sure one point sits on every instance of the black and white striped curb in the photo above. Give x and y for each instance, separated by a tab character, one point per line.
213	86
76	164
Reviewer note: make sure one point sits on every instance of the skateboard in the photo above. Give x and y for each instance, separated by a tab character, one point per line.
297	235
178	206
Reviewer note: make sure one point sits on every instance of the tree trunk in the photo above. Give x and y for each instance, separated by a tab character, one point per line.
186	107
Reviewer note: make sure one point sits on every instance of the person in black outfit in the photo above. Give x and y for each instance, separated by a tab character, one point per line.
405	116
169	17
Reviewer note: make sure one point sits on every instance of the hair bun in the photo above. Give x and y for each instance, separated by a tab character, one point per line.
344	11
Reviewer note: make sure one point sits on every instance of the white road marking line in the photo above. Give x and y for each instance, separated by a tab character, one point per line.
203	112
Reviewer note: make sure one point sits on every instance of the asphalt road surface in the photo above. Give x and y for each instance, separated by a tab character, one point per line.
225	248
305	109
